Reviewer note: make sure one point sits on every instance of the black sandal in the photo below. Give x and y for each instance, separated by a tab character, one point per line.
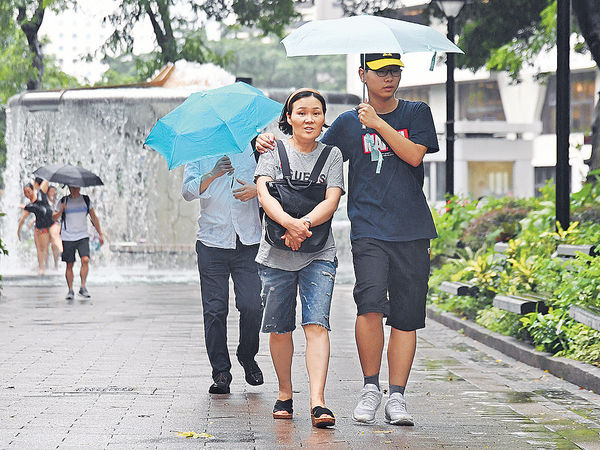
322	422
283	409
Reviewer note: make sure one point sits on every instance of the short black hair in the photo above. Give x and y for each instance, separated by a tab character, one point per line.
28	185
289	106
38	180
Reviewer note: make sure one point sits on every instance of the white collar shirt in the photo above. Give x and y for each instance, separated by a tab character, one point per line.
222	217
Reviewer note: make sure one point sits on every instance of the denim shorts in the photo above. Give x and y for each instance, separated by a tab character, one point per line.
279	292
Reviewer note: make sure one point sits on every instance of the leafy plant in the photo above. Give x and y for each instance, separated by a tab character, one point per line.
462	305
499	225
500	321
584	344
527	266
450	222
480	270
583	284
549	332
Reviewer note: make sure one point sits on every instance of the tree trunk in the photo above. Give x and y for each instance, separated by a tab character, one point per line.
164	34
30	28
588	19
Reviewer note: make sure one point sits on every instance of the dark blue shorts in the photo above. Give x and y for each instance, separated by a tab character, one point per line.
392	279
82	246
280	289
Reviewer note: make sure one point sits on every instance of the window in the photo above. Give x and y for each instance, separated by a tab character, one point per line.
490	178
414	94
583	87
427	180
543	175
480	101
440	176
434	185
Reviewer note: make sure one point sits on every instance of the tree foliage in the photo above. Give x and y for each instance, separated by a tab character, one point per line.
268	66
178	26
21	56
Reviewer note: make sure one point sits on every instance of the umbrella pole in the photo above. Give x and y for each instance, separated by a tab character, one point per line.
364	85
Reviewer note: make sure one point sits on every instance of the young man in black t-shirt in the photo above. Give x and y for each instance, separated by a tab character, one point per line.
391	226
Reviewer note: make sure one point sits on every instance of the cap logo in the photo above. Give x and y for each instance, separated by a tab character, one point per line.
387	54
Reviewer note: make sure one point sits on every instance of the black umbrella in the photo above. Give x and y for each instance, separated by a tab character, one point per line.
69	175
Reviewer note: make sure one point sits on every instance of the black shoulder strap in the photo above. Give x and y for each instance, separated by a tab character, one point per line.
86	199
283	157
63	216
314	175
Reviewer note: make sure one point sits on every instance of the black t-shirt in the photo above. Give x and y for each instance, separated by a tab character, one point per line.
389	205
42	210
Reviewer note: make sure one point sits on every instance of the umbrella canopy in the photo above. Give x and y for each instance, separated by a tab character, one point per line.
212	123
365	34
69	175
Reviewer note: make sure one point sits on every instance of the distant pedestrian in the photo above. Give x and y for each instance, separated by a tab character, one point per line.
73	211
55	239
285	271
226	245
41	209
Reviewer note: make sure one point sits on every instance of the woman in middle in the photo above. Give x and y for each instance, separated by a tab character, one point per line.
284	271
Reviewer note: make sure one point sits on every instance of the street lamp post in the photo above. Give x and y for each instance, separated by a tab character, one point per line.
451	9
563	188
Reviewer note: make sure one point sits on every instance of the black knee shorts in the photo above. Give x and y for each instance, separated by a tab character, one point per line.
391	278
82	246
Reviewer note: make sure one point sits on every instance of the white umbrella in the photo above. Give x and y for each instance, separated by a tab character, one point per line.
365	34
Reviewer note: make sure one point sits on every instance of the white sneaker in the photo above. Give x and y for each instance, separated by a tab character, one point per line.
370	399
395	411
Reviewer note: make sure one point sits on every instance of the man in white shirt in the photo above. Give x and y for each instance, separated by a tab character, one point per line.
229	231
73	211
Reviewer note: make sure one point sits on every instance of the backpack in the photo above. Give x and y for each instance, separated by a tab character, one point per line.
86	199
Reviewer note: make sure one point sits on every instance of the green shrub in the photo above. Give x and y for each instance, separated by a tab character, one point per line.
549	332
500	321
498	225
584	344
450	222
465	306
464	252
581	284
587	214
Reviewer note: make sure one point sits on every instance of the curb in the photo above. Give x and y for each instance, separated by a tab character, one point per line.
582	374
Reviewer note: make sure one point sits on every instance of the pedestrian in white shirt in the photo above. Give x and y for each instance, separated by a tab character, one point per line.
73	212
229	231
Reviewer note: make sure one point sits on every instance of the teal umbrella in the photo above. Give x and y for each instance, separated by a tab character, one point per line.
215	122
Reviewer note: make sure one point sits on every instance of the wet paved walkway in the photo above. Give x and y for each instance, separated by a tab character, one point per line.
127	369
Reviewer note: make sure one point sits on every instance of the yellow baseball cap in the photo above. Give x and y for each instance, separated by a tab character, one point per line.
376	61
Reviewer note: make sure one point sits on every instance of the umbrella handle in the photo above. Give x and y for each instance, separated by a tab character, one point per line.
362	125
364	97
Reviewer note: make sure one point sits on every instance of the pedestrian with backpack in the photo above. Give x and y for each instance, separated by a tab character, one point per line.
73	211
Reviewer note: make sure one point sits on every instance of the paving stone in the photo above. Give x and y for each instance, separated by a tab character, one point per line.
129	370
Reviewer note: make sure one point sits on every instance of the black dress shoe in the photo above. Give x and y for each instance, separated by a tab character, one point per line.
221	384
254	375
